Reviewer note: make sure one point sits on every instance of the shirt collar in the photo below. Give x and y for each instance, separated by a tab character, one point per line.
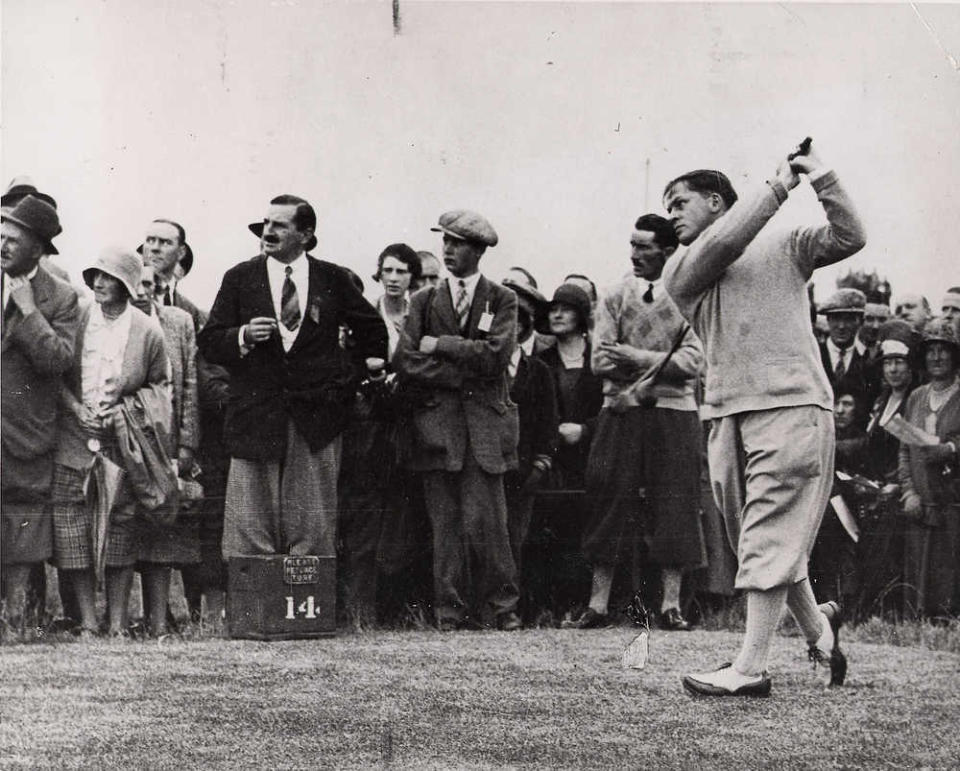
527	345
297	266
470	283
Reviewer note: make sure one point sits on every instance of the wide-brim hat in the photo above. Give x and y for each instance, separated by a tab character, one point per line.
120	263
574	297
19	188
941	330
39	217
186	262
531	299
844	301
467	226
257	229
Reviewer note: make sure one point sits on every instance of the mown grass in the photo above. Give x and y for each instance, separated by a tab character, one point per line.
540	698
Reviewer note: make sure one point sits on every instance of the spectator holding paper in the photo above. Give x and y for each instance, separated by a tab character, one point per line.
929	479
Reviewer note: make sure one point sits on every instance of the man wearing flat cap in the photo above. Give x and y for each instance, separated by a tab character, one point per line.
533	391
846	366
455	352
40	322
275	325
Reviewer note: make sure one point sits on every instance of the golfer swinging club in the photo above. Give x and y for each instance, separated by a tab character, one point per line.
742	285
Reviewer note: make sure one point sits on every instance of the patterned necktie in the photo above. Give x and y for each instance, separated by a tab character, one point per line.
841	368
648	295
289	304
463	307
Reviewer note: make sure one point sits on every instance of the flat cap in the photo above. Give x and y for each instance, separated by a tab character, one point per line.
844	301
467	226
878	309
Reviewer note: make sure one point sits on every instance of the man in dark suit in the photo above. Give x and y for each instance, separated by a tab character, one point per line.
846	366
40	321
455	350
275	326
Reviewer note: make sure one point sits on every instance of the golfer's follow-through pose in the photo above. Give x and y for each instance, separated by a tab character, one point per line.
742	284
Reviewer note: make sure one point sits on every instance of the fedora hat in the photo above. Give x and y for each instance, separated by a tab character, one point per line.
118	262
19	188
257	229
39	217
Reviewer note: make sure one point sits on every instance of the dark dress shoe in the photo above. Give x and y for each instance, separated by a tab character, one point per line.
671	620
509	622
835	659
758	688
589	619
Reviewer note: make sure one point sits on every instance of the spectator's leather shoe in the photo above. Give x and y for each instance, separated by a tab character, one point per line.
509	622
672	620
589	619
726	681
835	658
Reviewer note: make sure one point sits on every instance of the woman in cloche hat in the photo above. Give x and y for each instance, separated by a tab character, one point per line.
119	351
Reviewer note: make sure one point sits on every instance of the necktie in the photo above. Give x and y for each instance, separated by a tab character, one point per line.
289	304
648	295
166	295
841	368
463	307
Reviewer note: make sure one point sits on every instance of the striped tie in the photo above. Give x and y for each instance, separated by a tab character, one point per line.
289	304
463	307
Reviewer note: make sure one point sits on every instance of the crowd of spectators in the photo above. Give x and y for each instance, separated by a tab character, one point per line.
473	453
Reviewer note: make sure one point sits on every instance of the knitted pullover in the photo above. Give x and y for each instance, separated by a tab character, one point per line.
622	316
743	288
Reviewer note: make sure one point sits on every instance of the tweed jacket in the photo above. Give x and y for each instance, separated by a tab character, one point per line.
312	384
145	365
464	382
181	343
36	351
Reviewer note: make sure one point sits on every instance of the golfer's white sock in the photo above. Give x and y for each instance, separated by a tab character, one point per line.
671	579
803	606
600	588
763	615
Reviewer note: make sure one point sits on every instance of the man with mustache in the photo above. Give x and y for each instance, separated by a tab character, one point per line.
648	433
743	287
275	326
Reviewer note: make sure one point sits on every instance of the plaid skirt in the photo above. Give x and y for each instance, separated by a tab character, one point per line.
73	526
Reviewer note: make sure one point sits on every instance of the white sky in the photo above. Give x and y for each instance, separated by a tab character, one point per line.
539	115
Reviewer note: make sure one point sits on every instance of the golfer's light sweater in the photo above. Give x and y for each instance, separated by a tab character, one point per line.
743	288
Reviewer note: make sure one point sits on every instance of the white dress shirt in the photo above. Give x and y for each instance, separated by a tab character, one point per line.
101	363
276	275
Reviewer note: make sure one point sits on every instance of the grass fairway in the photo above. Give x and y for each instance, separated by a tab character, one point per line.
540	698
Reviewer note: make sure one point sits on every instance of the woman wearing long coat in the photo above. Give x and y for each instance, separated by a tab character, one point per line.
119	351
929	479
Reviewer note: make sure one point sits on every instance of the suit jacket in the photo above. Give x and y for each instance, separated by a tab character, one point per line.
464	382
860	379
145	365
313	383
534	393
181	346
36	351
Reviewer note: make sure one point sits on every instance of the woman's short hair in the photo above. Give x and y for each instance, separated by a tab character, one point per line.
405	254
